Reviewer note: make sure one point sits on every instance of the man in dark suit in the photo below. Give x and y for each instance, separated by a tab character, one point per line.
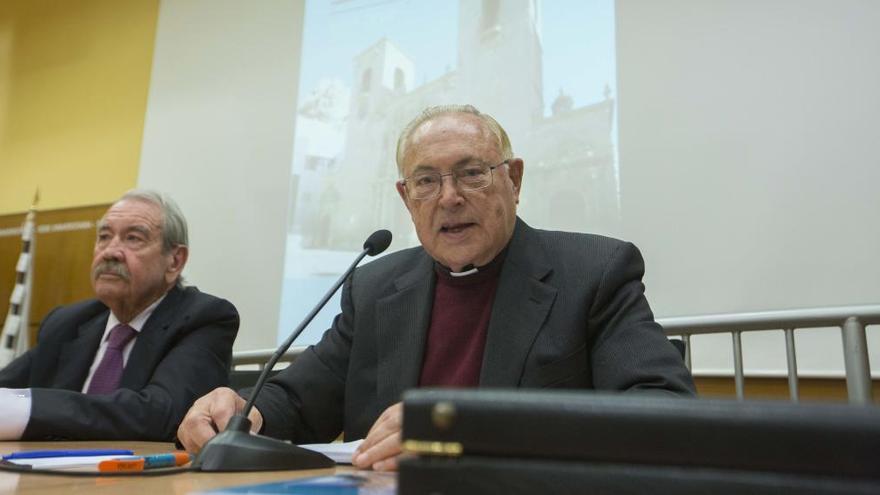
128	364
486	301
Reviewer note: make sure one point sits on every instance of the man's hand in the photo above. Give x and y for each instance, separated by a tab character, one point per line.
210	415
382	446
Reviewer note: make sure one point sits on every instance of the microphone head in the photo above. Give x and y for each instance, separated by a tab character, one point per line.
377	242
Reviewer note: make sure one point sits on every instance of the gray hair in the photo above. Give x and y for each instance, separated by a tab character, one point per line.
431	112
174	230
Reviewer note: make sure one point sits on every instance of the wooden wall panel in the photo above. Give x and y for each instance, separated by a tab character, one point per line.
63	254
809	389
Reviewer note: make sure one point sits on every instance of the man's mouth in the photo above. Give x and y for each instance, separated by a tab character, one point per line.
455	228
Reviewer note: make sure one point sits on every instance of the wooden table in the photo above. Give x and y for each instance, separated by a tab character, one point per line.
152	485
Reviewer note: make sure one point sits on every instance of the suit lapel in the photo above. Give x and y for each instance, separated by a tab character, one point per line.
522	302
150	340
76	356
402	325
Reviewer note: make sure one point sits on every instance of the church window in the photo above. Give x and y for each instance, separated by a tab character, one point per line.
365	79
490	14
399	80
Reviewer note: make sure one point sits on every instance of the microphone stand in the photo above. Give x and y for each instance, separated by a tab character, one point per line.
236	449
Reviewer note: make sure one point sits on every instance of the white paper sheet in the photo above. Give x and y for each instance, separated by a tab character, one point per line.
340	452
68	462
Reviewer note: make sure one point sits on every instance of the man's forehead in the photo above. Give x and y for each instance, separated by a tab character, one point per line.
449	132
449	122
132	212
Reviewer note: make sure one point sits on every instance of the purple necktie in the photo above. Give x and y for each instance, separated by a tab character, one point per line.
109	372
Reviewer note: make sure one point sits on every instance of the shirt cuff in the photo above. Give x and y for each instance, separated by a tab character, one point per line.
15	412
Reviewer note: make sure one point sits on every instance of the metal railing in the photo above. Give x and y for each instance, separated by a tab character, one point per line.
259	357
852	321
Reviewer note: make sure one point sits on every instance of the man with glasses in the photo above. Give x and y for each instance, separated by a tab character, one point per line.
486	301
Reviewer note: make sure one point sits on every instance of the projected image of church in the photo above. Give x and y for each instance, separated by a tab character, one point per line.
547	77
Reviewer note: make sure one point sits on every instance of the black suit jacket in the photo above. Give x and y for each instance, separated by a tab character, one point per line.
183	351
569	312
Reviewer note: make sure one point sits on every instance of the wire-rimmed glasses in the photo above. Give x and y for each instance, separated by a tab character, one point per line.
470	177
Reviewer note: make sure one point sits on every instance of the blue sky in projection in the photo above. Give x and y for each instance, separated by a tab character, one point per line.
575	33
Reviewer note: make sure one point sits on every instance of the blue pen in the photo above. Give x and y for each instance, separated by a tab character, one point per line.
166	460
40	454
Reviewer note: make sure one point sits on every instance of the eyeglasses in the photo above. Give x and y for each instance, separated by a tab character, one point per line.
473	177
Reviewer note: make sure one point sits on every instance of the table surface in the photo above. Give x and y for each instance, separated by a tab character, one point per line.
153	485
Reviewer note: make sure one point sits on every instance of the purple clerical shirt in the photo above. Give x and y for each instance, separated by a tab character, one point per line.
459	324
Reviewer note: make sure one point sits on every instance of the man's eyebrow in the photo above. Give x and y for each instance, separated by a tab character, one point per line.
468	160
424	168
140	229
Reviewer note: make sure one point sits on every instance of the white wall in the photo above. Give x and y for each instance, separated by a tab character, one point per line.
218	137
750	161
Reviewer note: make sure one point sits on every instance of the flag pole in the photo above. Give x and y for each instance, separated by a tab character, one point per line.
14	339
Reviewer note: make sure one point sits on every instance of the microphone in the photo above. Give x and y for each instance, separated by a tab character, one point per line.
377	242
236	449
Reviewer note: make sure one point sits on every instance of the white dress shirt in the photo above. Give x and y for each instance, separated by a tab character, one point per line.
15	403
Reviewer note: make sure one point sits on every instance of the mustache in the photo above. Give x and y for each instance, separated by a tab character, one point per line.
112	268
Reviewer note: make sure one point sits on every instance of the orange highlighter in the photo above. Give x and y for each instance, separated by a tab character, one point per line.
144	462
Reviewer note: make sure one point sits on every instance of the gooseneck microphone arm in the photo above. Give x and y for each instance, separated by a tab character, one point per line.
236	449
375	244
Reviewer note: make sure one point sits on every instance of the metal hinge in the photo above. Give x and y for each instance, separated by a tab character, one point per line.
424	447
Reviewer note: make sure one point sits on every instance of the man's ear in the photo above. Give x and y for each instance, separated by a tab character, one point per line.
179	255
515	172
401	190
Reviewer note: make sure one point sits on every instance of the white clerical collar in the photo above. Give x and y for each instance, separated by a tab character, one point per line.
470	269
467	270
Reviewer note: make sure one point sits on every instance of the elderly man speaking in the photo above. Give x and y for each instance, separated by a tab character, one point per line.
486	301
128	364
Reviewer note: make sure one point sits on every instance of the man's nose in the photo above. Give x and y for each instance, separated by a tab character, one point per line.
449	193
113	250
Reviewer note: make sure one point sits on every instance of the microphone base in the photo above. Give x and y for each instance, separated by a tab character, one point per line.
236	450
